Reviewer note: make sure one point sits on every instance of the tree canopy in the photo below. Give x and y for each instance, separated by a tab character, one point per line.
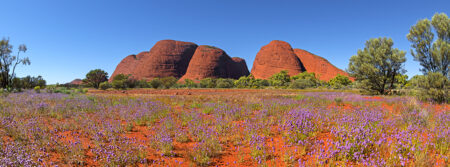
9	62
376	66
95	77
432	54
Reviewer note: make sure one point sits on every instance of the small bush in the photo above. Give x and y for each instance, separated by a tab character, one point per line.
190	83
339	82
224	83
142	84
37	89
208	83
168	82
302	84
123	81
280	79
434	87
155	83
105	85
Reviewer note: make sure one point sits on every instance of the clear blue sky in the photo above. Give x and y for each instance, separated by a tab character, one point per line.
66	39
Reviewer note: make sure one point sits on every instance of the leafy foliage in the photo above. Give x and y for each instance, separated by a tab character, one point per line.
208	83
280	79
9	62
155	83
376	66
339	81
123	81
168	82
190	83
250	82
304	80
95	77
433	55
224	83
105	85
434	86
28	82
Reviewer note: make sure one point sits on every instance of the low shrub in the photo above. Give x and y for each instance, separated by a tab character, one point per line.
105	85
155	83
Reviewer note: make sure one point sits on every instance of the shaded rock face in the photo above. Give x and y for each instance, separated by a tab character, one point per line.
128	64
212	62
238	68
319	65
275	57
177	58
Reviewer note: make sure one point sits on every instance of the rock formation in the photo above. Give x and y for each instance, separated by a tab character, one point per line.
128	64
278	55
173	58
186	60
76	82
319	65
212	62
275	57
166	58
238	68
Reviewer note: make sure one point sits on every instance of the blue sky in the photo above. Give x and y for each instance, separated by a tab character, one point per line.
66	39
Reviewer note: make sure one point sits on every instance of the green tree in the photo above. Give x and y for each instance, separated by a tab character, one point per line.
280	79
9	62
433	55
376	66
95	77
339	81
402	81
415	81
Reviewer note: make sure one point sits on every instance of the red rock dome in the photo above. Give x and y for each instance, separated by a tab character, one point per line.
166	58
212	62
275	57
177	58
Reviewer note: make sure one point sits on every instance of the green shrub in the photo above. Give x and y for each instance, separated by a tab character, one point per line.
208	83
339	81
280	79
224	83
155	83
105	85
435	87
123	81
50	88
142	84
244	81
302	84
190	83
168	82
37	89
